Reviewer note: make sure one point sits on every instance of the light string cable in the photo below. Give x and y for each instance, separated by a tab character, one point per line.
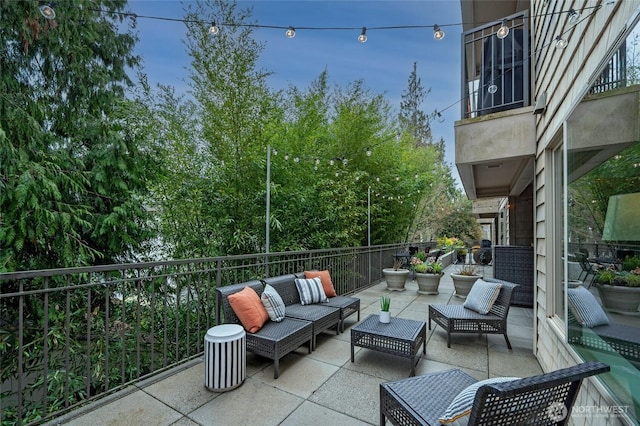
486	85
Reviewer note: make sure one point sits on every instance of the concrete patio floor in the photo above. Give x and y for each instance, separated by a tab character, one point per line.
324	387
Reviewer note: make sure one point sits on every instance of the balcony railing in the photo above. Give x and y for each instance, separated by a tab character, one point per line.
614	75
495	72
69	336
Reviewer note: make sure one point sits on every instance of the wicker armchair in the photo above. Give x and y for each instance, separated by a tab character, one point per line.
458	319
275	339
539	400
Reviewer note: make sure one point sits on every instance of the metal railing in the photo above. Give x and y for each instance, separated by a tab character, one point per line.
496	72
614	75
70	336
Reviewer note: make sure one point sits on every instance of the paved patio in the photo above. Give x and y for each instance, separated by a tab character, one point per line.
324	387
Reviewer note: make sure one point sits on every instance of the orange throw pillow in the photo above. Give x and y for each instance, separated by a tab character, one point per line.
325	278
249	309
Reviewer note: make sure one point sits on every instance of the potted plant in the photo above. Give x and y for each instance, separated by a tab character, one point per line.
620	290
464	278
395	277
385	314
428	274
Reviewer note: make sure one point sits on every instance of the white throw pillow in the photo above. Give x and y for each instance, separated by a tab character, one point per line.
482	296
459	410
311	291
273	303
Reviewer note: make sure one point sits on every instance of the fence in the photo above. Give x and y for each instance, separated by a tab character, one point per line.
69	336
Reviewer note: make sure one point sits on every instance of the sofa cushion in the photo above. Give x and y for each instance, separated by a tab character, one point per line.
325	278
482	296
248	308
310	291
459	410
585	307
273	303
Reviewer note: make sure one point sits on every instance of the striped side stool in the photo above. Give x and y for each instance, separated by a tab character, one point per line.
224	357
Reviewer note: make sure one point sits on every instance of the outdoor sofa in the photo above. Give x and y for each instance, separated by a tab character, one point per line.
322	316
275	339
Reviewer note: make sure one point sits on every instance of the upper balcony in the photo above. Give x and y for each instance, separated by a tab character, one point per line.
495	140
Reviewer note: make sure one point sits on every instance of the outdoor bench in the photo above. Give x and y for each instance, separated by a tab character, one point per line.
275	339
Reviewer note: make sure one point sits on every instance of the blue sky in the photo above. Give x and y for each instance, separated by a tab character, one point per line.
384	62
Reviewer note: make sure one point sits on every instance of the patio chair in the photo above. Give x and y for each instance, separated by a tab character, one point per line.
458	319
541	400
587	269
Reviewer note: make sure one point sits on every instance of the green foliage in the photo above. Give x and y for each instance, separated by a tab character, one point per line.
73	172
630	263
385	303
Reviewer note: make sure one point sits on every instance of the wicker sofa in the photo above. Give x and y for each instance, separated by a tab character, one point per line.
543	399
275	339
322	317
458	319
347	305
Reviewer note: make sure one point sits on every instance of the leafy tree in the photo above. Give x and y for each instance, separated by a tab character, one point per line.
235	112
74	175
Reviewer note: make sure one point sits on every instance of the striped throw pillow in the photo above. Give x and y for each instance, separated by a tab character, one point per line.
482	296
585	307
459	410
273	303
311	291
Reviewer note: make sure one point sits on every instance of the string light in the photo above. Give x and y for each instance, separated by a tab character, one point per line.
503	31
213	30
438	34
560	42
369	152
439	117
573	17
47	11
362	38
291	32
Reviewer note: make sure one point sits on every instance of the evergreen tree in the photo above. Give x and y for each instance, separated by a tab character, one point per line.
74	174
411	117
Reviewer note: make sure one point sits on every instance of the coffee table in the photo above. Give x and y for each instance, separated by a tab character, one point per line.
401	337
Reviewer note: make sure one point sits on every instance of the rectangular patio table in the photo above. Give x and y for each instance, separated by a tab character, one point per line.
401	337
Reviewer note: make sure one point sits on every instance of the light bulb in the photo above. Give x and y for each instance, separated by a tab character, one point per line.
344	161
213	30
47	11
439	117
573	17
369	152
275	151
331	162
438	34
362	38
561	43
286	156
492	89
291	32
296	159
503	31
317	161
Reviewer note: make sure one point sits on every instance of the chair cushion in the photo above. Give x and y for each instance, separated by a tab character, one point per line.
325	278
310	291
459	410
586	308
482	296
273	303
248	308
